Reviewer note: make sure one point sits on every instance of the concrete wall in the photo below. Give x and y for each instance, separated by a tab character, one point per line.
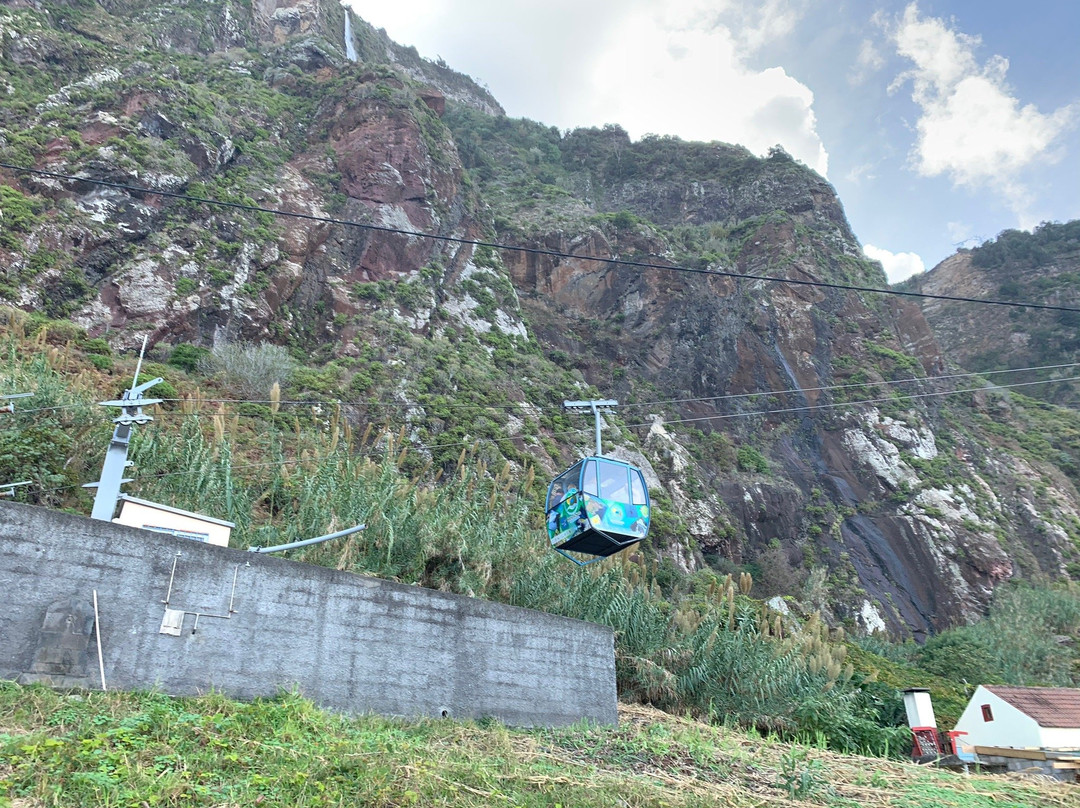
348	642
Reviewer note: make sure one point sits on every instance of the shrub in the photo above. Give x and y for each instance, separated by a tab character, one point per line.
250	370
97	346
187	356
20	213
750	459
959	656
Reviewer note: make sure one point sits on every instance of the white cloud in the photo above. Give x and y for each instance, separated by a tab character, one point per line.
962	234
898	266
706	92
971	128
863	172
759	23
869	60
679	68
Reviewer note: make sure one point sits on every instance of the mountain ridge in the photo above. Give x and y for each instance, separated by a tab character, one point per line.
1040	266
903	513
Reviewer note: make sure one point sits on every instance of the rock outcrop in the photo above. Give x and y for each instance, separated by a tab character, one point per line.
806	433
1038	267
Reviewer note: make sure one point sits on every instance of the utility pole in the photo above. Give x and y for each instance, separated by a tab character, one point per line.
112	471
595	407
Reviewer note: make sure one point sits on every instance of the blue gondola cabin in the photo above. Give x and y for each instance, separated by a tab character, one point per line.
596	508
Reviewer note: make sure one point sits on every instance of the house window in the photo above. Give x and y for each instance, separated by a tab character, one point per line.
988	714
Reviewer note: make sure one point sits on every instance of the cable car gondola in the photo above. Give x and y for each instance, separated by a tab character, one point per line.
598	506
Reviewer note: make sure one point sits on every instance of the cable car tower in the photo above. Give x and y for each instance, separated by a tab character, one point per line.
598	506
112	471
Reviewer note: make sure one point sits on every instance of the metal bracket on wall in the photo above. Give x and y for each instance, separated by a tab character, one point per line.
172	622
8	489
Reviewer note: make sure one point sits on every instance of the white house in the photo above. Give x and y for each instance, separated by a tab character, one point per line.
1046	718
174	521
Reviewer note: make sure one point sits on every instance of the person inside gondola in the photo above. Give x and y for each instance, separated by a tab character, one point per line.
554	515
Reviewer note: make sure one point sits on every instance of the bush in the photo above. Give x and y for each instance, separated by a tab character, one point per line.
97	346
187	356
959	656
250	370
750	459
20	214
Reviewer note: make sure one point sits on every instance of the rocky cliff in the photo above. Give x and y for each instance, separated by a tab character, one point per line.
1040	267
795	431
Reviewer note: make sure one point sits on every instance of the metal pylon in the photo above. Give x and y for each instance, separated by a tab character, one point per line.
112	471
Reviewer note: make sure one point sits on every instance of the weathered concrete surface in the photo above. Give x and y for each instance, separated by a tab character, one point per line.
348	642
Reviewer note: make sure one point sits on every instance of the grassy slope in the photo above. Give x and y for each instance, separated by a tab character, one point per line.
85	749
668	650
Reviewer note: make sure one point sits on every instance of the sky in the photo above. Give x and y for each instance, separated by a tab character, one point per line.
940	123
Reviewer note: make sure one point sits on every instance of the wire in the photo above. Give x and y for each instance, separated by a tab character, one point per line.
429	447
283	402
542	407
54	409
294	461
335	402
834	404
531	250
856	384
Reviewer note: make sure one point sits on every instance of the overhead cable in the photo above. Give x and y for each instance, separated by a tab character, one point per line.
558	407
899	398
990	388
826	388
530	250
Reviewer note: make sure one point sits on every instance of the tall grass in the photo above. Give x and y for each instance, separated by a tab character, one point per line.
54	437
475	532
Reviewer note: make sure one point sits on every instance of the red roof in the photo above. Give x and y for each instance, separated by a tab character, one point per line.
1057	707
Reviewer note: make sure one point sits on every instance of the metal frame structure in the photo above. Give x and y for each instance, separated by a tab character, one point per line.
112	470
8	489
595	407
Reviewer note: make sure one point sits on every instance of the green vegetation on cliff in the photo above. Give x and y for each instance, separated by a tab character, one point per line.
1041	266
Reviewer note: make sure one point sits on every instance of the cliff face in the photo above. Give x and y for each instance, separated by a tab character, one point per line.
1042	267
795	430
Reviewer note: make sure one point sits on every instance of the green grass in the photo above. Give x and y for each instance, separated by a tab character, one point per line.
979	792
138	749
